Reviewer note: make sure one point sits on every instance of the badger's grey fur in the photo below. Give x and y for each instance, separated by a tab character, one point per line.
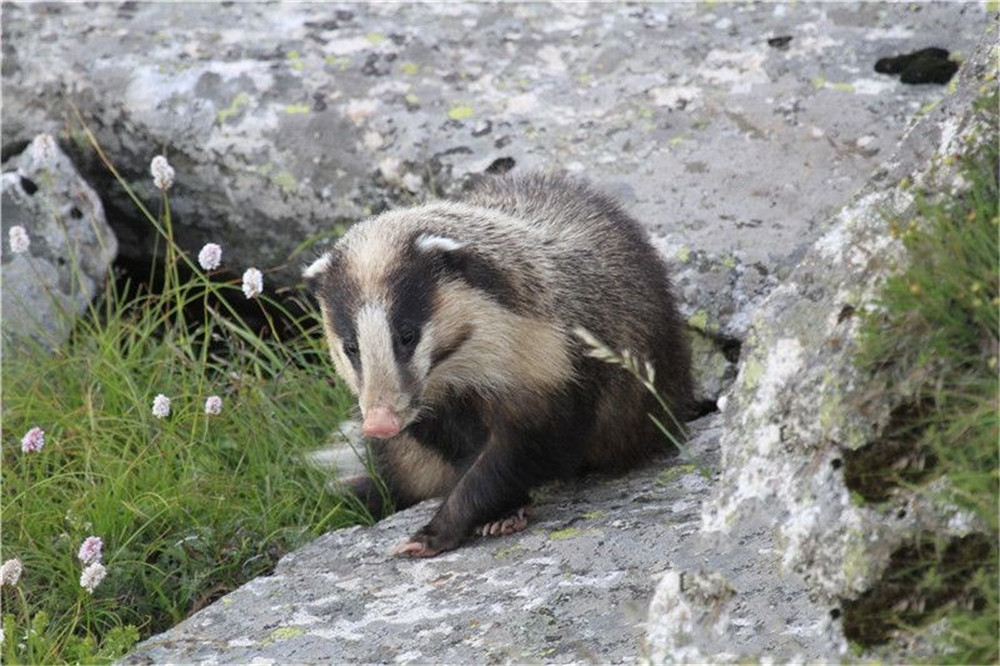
453	324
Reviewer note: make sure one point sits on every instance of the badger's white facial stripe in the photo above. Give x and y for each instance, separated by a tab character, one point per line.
317	268
379	375
430	242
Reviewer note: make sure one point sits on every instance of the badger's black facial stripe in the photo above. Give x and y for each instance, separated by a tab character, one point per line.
466	264
341	295
412	288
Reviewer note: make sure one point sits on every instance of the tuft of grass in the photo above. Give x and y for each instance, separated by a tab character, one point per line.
935	341
189	506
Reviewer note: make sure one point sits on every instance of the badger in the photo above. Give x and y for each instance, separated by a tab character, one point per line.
453	323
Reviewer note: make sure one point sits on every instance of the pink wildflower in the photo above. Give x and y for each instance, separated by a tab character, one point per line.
210	256
19	239
161	406
213	405
90	550
10	572
33	440
163	173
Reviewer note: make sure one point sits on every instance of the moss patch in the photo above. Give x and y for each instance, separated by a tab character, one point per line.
934	341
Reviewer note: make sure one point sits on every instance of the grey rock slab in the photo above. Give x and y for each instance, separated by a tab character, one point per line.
798	406
285	121
573	587
71	245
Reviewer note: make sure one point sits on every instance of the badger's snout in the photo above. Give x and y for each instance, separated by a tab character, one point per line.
381	422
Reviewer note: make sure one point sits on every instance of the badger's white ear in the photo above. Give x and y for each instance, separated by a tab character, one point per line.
316	268
434	243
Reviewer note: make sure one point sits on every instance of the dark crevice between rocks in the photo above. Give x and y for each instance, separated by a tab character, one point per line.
897	458
925	577
9	150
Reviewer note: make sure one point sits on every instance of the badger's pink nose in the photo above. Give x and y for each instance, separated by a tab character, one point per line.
380	422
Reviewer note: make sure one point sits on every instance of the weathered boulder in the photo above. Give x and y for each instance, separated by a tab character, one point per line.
798	408
70	245
573	587
731	130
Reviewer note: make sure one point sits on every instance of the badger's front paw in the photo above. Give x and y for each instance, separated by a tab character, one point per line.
426	543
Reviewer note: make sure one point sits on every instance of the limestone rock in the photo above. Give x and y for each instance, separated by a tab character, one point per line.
71	245
287	122
573	587
798	406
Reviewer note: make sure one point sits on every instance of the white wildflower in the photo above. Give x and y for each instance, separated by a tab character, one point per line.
43	150
253	283
33	440
210	256
161	406
163	173
92	576
213	405
19	240
10	572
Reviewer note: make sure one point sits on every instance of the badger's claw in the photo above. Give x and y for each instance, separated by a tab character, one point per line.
414	549
509	525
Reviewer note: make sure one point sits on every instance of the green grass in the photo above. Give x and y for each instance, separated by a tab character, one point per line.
935	340
189	506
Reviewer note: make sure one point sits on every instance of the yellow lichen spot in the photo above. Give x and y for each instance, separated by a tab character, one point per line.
567	533
284	633
295	61
670	475
819	82
412	99
927	108
676	140
993	5
461	112
409	68
684	254
375	38
585	79
752	372
915	289
729	261
592	515
953	85
286	181
699	320
297	108
240	102
843	87
509	550
337	61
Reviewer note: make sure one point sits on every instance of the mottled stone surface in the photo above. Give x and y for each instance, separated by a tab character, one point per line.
573	587
798	406
71	245
286	120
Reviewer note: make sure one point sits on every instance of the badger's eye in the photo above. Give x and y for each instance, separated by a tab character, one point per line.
407	336
351	348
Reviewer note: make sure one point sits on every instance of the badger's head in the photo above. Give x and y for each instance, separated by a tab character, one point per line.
394	314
